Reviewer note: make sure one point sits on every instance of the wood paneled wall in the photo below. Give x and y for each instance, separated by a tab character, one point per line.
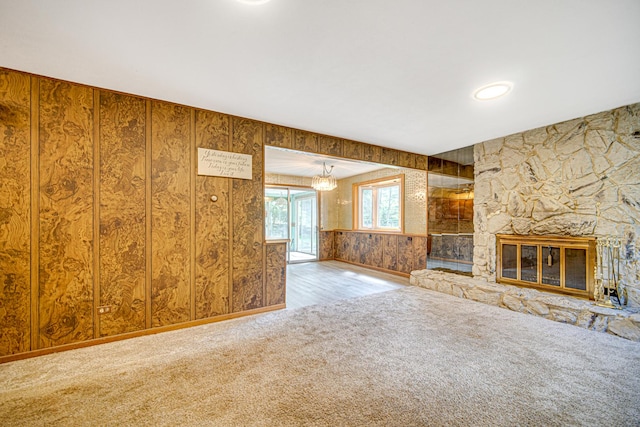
396	253
279	136
106	229
101	206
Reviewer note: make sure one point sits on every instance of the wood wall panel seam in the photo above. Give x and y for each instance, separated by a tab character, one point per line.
148	247
230	222
35	211
265	275
96	212
192	204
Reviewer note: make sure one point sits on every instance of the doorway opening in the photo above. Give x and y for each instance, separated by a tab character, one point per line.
291	213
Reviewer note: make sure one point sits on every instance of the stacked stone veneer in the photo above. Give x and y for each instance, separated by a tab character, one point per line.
623	323
576	178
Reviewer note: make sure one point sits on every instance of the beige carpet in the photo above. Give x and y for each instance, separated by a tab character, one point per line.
400	358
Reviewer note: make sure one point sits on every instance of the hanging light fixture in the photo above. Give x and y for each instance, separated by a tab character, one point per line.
324	182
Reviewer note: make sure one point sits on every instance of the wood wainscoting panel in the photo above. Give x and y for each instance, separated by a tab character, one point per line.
278	136
15	212
65	301
171	222
327	239
399	253
405	254
248	222
390	255
276	273
359	248
212	236
419	253
376	250
342	245
353	249
122	213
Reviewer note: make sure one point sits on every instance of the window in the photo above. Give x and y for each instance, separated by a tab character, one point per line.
379	204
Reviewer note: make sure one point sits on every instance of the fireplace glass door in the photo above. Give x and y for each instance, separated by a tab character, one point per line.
564	264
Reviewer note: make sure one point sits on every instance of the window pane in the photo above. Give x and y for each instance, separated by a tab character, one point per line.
366	207
276	214
389	207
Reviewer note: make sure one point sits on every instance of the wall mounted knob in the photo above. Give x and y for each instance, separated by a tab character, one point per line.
214	198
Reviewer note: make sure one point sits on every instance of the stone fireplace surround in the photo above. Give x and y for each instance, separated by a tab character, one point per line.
578	178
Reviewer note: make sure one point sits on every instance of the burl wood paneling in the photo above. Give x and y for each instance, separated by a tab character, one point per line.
248	219
65	303
122	212
341	245
353	149
305	141
376	251
405	254
276	273
390	252
278	136
327	245
329	145
389	156
15	212
372	153
360	248
212	244
419	253
406	160
170	236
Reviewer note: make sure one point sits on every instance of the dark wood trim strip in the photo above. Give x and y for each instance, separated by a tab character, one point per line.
192	220
148	279
96	212
35	210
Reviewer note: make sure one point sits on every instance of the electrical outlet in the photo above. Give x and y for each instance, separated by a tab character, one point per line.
104	309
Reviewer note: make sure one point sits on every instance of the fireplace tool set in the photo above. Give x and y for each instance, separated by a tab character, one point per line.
607	273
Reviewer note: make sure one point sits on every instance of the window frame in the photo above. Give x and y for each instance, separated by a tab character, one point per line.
375	184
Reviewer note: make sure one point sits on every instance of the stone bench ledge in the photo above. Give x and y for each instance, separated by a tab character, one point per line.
624	323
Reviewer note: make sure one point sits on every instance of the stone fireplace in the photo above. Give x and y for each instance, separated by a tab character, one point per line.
579	178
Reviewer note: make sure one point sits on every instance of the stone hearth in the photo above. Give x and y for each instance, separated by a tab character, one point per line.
585	314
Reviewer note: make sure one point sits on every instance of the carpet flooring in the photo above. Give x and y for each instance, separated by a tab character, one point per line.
406	357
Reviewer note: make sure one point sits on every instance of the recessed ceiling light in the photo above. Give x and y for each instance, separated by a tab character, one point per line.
253	2
492	91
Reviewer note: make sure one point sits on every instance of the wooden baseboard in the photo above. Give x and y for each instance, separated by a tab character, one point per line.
151	331
384	270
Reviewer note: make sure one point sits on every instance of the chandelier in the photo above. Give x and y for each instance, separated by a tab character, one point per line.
324	182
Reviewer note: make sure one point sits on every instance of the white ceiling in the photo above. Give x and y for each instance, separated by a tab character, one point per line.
394	73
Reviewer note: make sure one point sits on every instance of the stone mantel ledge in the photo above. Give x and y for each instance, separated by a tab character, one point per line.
624	323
